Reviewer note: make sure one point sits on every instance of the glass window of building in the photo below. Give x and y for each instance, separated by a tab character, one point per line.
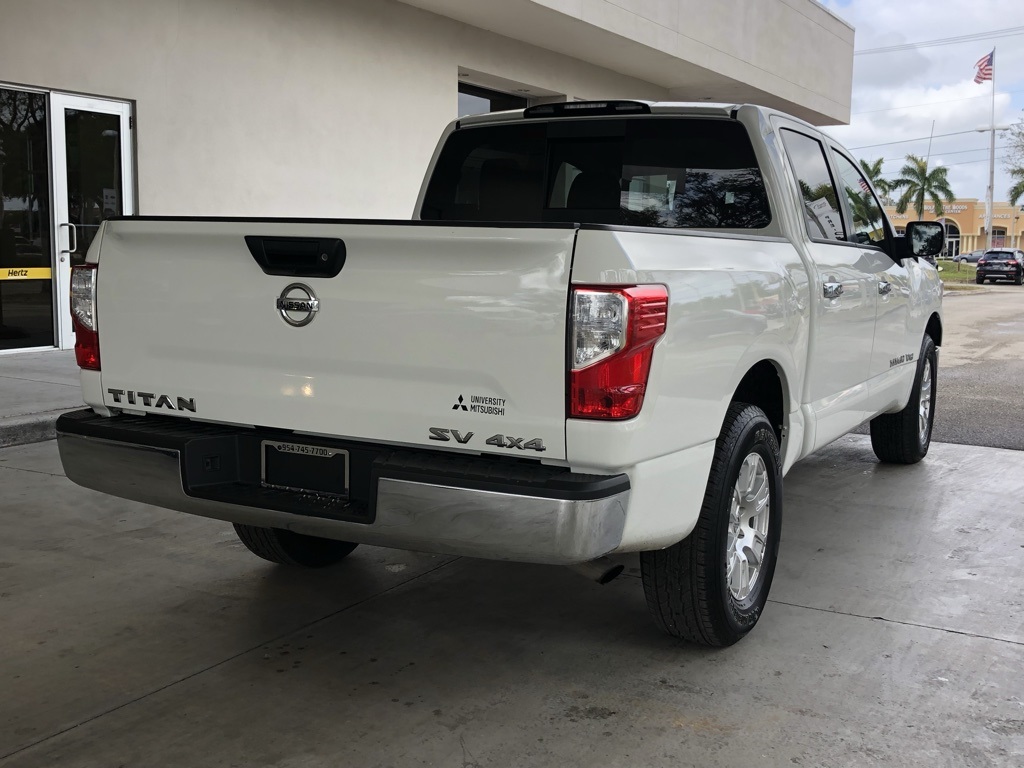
26	288
474	100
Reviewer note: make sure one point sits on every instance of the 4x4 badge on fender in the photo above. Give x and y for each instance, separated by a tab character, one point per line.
298	305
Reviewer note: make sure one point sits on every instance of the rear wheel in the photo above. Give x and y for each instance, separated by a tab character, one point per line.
979	280
290	548
904	437
711	587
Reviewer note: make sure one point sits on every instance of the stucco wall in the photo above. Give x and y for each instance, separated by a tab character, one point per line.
295	108
794	55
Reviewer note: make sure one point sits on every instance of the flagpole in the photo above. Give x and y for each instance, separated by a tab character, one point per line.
991	160
927	159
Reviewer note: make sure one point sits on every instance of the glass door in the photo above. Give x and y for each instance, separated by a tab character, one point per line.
26	223
93	180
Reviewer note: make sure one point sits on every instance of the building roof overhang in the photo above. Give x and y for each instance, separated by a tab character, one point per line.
793	55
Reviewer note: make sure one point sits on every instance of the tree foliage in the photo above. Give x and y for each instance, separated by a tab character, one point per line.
1015	161
1015	146
1017	189
873	172
864	208
918	183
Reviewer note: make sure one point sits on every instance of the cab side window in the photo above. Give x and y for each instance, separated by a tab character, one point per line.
868	219
817	190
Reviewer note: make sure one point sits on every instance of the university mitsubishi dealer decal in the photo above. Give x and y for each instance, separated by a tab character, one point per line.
487	406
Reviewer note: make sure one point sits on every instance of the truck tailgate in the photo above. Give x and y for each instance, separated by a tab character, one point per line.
447	328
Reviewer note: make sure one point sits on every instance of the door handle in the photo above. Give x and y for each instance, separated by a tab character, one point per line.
72	238
884	287
832	290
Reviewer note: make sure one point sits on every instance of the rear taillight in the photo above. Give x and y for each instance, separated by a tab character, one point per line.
981	262
83	316
611	345
1012	262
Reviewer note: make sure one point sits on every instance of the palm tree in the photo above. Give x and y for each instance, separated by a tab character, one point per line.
864	207
873	171
917	182
1017	190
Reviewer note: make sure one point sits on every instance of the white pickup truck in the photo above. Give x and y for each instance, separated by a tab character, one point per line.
611	327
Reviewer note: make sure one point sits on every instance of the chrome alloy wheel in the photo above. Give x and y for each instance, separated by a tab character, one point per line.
924	410
748	526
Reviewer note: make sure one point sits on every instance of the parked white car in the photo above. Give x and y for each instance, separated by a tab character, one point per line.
611	327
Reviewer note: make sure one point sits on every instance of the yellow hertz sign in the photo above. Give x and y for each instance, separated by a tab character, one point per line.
25	273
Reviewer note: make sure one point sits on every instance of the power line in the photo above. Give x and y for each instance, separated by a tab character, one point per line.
968	162
946	165
907	141
955	152
993	35
935	103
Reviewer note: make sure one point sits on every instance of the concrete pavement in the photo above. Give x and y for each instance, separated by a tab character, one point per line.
35	388
980	398
135	636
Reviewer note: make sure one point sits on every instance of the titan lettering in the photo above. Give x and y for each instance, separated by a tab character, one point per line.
162	401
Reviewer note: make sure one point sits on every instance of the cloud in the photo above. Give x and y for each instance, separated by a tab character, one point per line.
896	96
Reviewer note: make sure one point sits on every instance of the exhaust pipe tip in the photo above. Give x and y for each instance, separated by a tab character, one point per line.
602	570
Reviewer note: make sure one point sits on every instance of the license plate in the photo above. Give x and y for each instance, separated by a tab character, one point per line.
304	468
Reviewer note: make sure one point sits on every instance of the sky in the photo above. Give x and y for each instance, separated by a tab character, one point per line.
897	95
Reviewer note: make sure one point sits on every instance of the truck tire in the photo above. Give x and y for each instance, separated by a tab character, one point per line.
711	587
290	548
904	437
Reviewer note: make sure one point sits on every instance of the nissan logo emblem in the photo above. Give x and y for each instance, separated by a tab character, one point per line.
298	305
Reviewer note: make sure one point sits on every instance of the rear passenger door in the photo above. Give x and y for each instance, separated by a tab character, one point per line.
893	346
843	294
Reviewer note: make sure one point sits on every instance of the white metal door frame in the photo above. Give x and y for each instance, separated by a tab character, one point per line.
64	235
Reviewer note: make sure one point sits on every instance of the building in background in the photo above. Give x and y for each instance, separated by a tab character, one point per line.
965	224
330	108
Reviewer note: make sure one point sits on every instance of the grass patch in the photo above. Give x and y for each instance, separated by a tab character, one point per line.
962	276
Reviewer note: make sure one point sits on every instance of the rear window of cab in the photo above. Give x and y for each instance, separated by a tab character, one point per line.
666	172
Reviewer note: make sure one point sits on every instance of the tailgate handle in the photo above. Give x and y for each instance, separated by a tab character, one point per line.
298	256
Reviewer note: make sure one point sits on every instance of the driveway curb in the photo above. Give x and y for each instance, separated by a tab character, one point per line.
30	428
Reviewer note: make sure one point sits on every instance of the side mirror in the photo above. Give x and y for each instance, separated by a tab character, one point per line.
925	238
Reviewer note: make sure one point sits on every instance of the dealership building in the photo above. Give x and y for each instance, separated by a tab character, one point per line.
331	108
965	224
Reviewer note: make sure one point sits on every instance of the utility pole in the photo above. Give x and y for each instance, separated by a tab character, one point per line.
991	160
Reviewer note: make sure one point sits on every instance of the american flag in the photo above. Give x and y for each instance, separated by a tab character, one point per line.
864	186
985	67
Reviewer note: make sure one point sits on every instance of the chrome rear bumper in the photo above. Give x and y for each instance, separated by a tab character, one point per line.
430	516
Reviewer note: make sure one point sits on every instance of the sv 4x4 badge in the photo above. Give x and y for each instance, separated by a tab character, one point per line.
499	441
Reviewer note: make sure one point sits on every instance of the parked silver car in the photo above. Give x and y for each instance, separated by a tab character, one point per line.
970	258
